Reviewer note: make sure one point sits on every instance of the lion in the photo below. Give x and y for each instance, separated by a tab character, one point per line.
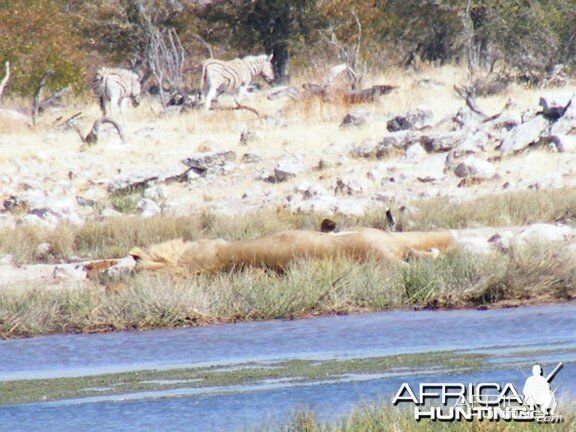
278	250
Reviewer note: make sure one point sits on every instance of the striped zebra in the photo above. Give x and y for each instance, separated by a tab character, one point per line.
117	86
235	75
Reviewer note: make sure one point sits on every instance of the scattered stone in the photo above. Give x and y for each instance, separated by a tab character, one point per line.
287	169
251	158
563	143
414	153
348	186
567	123
248	136
285	91
211	162
545	233
366	149
443	142
309	190
110	213
147	207
414	119
525	134
356	117
395	141
477	168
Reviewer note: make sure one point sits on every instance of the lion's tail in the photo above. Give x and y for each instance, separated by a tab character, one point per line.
161	256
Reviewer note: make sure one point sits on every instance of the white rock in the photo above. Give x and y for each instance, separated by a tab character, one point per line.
545	233
349	186
309	190
525	134
351	207
287	169
414	153
567	123
109	213
564	143
147	207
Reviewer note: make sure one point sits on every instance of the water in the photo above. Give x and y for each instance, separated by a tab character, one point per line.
508	334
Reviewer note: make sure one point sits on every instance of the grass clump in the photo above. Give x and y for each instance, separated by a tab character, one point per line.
306	289
381	417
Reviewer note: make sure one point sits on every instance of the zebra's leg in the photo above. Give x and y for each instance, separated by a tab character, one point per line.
209	96
114	105
242	93
122	103
102	105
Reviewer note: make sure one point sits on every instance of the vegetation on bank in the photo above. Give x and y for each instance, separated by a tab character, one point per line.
380	417
540	273
145	301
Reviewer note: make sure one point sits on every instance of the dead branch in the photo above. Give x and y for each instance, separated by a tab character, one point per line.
92	136
466	94
37	94
67	120
247	108
5	79
53	99
205	44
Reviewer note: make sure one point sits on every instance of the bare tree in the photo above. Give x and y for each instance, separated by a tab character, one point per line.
165	55
92	136
38	104
349	54
5	79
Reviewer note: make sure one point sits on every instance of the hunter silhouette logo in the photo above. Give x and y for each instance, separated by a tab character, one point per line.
485	401
537	390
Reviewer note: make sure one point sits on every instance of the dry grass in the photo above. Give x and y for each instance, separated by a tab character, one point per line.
305	289
115	237
381	417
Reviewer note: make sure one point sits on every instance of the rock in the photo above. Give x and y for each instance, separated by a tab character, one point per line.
147	207
284	91
287	169
414	153
545	233
351	207
155	192
109	213
132	181
366	149
348	186
309	190
525	134
35	220
356	117
554	104
443	142
211	161
251	158
414	119
564	143
322	204
248	136
477	168
566	124
397	141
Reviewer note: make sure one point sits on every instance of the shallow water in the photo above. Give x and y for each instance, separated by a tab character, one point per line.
519	336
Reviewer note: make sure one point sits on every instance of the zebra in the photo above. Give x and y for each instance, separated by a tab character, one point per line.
116	85
219	76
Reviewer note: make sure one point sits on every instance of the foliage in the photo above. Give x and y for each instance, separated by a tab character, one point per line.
35	36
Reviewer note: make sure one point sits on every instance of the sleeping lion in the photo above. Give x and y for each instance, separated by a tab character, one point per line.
276	251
